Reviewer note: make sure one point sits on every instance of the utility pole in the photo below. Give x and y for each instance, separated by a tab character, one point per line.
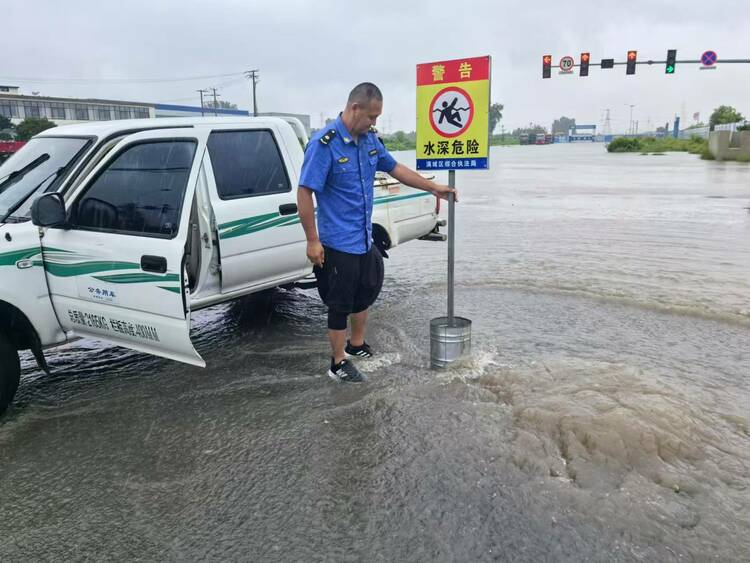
201	92
254	76
216	104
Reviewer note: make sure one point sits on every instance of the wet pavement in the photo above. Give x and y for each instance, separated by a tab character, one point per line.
604	415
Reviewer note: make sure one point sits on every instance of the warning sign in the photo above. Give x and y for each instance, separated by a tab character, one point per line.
452	111
453	100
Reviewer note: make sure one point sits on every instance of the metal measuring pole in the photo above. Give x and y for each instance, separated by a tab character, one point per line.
451	242
450	336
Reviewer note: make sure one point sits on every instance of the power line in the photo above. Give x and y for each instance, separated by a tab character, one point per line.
191	98
187	99
113	80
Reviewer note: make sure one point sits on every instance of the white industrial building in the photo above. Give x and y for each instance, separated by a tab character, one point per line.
63	111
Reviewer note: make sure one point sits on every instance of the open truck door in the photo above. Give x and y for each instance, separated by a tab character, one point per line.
115	262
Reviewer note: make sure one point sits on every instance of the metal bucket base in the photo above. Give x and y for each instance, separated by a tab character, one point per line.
449	343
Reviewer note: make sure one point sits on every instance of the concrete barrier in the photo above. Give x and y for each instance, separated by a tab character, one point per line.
728	145
744	144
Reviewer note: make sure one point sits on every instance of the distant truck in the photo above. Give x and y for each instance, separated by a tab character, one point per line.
8	148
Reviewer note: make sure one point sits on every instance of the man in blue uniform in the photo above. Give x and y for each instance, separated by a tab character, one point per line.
339	168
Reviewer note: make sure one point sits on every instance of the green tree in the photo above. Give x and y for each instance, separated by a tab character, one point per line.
5	123
724	114
496	114
532	128
31	126
220	104
400	141
563	125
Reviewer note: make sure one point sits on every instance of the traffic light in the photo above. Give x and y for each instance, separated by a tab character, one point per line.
546	66
630	67
671	61
584	67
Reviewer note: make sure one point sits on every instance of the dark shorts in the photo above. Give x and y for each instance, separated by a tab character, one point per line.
350	283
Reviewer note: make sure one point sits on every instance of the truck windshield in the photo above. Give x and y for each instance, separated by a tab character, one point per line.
38	167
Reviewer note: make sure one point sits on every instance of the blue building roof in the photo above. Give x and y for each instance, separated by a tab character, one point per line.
197	110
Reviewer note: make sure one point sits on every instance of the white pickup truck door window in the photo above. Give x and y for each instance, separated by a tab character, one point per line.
253	192
117	273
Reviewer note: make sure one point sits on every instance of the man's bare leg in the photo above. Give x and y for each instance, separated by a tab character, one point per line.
338	343
359	324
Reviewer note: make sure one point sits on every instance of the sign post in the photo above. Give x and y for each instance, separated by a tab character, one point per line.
453	102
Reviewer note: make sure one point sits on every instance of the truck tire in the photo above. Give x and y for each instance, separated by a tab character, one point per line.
10	372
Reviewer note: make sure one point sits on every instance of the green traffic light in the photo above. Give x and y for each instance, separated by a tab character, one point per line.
671	61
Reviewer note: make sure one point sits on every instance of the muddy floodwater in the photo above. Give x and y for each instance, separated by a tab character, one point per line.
605	415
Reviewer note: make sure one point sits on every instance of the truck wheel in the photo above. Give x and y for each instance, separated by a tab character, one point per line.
10	372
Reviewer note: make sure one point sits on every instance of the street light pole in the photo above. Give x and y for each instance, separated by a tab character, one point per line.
630	124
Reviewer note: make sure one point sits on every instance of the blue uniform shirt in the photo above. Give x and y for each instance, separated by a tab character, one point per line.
341	173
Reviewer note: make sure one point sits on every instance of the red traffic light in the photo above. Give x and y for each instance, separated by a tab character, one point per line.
630	63
584	66
546	66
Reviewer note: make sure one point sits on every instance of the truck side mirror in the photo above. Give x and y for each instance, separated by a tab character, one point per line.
49	210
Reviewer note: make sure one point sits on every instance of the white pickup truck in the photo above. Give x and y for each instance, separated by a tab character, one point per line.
117	230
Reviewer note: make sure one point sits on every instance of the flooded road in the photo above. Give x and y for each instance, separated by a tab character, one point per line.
605	414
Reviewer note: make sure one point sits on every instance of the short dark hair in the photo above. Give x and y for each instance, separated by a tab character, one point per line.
364	93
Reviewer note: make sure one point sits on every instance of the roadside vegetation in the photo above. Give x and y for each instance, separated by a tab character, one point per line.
657	145
24	130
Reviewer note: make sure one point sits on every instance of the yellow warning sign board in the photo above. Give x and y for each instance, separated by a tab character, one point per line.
453	106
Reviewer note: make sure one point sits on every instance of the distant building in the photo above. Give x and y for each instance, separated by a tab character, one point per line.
63	111
169	110
575	135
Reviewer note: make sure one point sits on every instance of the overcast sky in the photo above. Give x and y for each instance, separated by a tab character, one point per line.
310	53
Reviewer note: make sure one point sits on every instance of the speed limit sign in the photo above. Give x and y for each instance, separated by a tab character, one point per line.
567	64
